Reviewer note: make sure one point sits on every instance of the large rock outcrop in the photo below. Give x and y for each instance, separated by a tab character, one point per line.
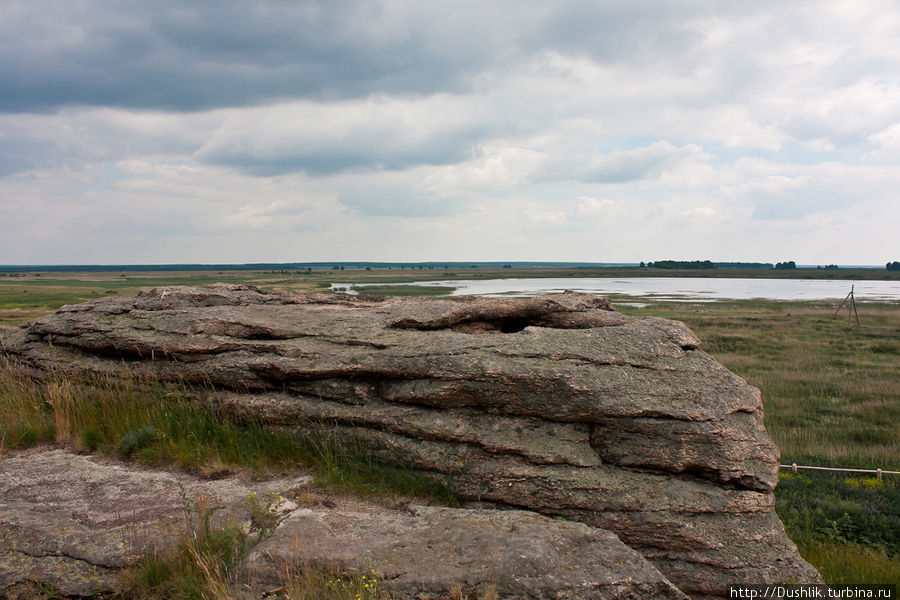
553	404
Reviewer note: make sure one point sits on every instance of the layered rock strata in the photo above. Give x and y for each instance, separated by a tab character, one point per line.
555	404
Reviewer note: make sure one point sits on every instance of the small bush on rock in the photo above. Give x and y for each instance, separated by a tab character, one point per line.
136	439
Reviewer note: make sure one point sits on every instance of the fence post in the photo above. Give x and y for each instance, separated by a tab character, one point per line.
879	474
794	467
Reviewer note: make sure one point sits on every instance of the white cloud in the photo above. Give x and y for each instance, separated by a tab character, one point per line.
886	143
622	166
604	131
589	206
373	133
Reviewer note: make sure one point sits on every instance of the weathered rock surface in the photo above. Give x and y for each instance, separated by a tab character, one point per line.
428	550
553	404
74	522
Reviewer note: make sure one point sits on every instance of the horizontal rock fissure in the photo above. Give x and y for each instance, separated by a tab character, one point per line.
477	315
40	555
286	411
488	449
583	360
696	475
504	325
466	403
123	352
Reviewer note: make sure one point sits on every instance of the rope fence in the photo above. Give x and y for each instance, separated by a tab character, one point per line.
879	472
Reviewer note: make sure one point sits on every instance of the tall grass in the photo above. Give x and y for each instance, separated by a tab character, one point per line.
848	527
152	422
843	563
348	465
165	424
203	565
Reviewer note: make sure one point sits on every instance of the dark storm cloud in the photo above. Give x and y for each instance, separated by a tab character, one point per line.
199	55
186	56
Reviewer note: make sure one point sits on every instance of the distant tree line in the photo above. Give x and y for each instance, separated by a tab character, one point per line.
681	264
786	265
893	266
829	267
708	264
743	265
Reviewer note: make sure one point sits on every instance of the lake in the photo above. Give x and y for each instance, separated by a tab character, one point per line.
672	289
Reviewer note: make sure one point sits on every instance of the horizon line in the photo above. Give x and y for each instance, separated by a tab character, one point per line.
293	265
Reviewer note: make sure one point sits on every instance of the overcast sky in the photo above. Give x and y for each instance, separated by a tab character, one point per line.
220	132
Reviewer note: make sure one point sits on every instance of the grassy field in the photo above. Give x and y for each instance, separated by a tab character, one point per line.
831	389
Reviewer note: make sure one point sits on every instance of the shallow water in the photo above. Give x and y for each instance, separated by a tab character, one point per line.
673	289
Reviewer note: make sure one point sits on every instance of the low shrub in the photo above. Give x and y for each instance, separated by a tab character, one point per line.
135	439
834	508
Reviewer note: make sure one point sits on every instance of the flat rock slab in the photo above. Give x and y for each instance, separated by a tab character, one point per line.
426	551
555	404
75	522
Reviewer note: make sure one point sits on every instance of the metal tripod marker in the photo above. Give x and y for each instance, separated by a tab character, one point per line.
851	308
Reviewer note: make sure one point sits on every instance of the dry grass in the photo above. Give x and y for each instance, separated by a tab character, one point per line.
60	397
202	564
851	563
